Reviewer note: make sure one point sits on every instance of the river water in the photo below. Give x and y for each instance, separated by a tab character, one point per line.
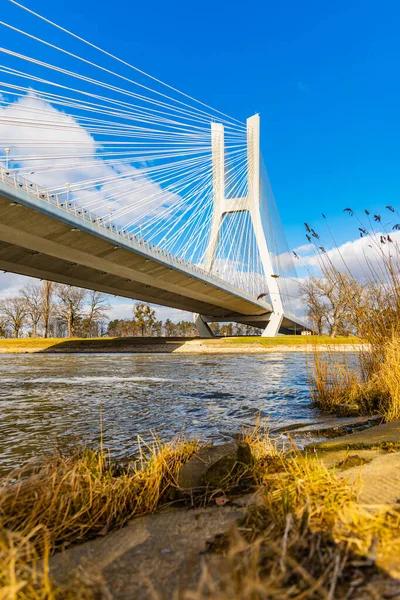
50	401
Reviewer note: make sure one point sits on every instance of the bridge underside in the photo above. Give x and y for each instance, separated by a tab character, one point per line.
288	326
38	245
57	247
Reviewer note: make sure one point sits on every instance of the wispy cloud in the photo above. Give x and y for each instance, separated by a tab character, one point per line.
302	87
362	257
305	249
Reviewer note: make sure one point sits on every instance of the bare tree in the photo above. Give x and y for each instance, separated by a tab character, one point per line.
313	298
97	310
3	326
328	299
70	305
14	311
47	298
33	296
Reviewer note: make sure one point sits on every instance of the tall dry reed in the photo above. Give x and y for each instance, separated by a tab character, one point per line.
367	299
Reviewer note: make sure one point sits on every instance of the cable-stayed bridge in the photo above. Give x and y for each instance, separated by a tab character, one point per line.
139	191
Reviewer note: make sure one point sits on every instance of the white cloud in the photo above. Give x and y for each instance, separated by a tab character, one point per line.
361	257
304	249
44	142
53	149
38	133
10	284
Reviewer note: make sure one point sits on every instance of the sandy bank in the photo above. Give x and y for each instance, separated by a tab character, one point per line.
213	347
240	345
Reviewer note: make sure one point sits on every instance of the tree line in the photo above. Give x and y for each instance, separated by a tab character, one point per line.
50	309
57	310
145	323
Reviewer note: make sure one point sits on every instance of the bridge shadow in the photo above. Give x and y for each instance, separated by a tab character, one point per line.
164	345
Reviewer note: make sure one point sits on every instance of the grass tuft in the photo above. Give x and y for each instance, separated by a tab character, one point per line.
84	495
373	387
308	539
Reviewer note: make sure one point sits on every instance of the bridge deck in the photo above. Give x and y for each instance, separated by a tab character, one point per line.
51	241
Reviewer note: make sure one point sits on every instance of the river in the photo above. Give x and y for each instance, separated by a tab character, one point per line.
52	401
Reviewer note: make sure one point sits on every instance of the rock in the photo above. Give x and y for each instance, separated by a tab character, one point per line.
379	481
347	410
328	426
385	435
154	556
352	460
213	465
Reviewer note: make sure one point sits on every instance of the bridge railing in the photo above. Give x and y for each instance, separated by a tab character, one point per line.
62	202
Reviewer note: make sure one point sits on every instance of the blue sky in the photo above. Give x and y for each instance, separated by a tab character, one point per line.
323	76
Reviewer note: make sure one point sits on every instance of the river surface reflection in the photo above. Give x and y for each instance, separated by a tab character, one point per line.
49	401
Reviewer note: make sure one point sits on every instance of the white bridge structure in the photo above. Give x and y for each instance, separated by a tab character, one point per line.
139	191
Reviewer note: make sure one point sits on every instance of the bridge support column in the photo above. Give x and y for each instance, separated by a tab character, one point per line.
251	204
274	324
202	326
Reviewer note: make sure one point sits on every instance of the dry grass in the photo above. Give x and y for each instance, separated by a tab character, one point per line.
308	538
23	574
373	386
68	500
80	496
365	300
333	382
389	381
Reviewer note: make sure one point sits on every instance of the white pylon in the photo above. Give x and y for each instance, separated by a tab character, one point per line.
250	203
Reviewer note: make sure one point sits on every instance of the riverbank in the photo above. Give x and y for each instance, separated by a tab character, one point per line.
229	345
321	524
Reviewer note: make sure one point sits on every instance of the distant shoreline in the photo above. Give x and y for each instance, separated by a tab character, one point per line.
241	345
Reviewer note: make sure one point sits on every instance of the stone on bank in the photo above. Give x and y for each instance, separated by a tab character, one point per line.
212	466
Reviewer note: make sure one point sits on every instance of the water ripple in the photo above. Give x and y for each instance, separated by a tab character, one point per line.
49	401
